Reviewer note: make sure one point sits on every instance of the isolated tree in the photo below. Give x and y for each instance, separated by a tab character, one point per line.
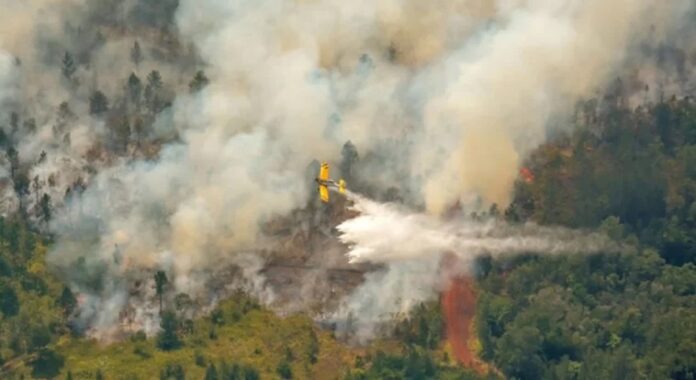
46	208
64	116
69	67
21	183
122	133
13	157
494	211
198	82
211	372
172	372
154	79
99	375
217	316
136	54
36	186
153	92
139	129
98	103
135	90
168	339
14	122
160	284
349	157
67	301
284	370
313	347
148	96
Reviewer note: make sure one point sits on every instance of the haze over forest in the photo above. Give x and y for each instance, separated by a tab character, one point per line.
521	197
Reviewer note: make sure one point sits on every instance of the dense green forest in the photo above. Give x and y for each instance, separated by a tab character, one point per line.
607	316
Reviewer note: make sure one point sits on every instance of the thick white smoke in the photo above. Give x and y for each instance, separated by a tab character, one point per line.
537	60
456	91
8	84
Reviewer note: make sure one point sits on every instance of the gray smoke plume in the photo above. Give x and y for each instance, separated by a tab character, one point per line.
44	110
8	85
448	95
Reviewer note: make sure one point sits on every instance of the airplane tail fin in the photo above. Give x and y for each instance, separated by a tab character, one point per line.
324	171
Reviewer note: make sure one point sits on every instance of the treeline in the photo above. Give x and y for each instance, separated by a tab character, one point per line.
629	172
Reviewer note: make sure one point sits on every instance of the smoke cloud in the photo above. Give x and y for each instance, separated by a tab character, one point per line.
8	86
449	95
536	61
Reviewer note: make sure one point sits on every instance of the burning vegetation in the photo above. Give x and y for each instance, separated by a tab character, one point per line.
160	213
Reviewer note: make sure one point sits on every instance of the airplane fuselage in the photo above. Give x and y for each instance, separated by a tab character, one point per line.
326	182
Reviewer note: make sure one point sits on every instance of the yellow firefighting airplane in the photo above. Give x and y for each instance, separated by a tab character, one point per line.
325	183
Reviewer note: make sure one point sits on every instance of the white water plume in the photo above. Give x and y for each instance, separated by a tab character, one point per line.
412	246
384	233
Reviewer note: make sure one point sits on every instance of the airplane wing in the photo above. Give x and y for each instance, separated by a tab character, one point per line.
324	171
324	193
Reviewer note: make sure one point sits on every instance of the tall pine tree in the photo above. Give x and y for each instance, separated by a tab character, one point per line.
168	339
69	67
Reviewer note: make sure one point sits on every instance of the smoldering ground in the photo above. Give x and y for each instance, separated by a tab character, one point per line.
449	96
